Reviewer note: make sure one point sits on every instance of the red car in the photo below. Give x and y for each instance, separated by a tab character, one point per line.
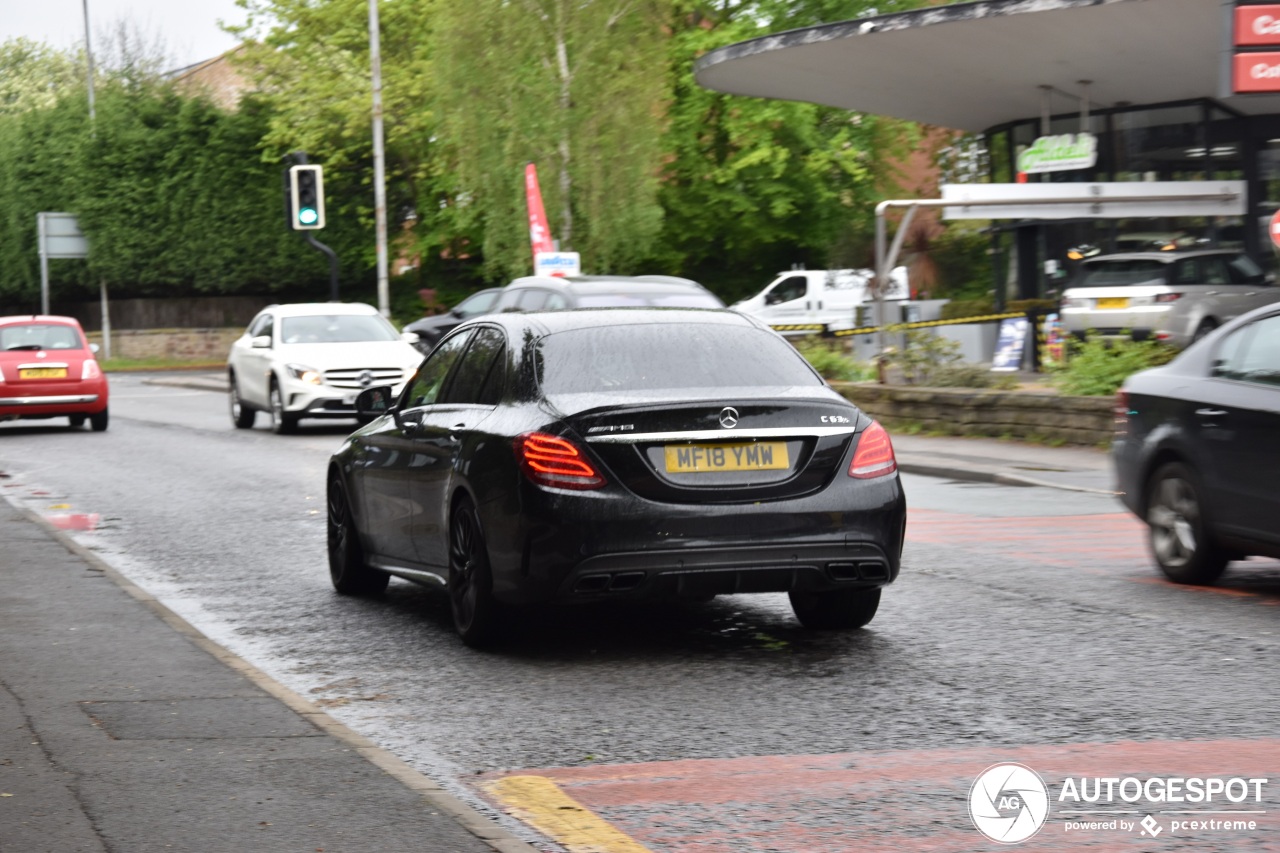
48	370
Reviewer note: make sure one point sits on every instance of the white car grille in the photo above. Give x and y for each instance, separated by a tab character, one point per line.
363	377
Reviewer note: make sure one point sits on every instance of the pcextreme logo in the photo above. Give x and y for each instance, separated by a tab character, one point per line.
1009	803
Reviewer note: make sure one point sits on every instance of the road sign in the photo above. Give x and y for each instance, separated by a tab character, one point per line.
60	236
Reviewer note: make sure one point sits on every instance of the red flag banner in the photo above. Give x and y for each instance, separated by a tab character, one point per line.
539	233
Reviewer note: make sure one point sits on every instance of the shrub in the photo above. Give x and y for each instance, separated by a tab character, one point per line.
1099	367
830	360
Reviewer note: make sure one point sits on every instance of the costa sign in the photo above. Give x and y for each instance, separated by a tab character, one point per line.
1256	72
1257	26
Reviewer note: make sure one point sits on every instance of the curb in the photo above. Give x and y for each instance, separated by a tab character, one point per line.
437	797
996	477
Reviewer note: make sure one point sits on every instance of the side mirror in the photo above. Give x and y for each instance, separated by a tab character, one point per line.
374	402
94	348
772	297
261	342
454	312
410	337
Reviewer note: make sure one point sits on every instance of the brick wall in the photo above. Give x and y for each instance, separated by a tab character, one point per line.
1020	414
174	344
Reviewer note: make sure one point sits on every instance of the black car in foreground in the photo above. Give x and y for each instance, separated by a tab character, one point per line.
1197	450
583	456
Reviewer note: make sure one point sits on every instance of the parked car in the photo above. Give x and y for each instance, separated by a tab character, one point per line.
430	330
554	293
48	370
587	456
1174	296
1198	447
309	360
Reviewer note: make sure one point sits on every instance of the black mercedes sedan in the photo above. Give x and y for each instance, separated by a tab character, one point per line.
606	454
1197	450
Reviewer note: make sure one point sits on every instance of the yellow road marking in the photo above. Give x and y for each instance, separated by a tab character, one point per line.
539	802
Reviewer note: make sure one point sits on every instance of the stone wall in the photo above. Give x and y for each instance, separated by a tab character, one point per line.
997	414
197	345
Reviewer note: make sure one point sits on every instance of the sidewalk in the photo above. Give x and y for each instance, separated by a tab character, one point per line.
124	729
989	460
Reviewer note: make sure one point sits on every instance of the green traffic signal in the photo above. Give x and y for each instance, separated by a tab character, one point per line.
306	197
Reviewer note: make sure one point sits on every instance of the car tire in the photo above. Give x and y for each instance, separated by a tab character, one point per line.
350	574
840	609
242	415
1203	330
282	423
98	422
477	616
1179	538
77	421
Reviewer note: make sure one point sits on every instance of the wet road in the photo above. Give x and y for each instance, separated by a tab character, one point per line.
1028	625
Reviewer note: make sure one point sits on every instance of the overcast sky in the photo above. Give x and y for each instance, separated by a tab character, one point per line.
187	29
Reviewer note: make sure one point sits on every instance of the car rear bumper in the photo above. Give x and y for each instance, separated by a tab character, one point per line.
52	400
587	547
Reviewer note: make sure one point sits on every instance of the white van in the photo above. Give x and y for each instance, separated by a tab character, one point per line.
824	297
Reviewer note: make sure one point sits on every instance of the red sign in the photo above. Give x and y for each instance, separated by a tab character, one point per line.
539	232
1256	72
1257	25
1273	228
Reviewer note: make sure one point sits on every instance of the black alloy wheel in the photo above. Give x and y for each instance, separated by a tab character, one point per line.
282	423
350	574
476	615
98	422
835	610
241	415
1178	535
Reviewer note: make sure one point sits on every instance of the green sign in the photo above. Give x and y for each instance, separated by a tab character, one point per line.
1059	153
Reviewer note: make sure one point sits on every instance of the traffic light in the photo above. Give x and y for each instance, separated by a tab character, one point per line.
306	197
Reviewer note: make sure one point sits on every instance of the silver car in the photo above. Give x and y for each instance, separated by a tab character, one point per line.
1172	296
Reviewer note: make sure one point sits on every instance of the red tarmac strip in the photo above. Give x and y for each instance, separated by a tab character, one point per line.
902	800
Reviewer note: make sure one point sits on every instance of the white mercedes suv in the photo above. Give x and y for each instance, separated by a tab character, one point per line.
310	360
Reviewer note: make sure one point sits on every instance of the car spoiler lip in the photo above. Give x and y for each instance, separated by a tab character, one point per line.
723	434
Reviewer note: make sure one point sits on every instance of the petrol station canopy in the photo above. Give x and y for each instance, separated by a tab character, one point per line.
975	66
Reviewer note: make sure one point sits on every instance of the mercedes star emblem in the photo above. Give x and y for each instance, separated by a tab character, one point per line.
728	417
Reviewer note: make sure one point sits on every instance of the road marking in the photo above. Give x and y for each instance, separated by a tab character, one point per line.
539	802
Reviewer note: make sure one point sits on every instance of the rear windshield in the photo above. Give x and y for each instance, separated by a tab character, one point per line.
336	329
38	336
648	357
1121	273
691	299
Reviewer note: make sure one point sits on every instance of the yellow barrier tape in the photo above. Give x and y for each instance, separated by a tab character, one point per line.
924	324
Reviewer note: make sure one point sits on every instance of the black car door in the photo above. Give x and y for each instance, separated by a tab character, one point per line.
391	458
1244	409
446	432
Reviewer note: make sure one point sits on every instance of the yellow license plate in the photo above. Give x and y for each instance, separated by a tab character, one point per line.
1113	302
42	373
707	458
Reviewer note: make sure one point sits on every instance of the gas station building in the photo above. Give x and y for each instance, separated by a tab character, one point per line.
1062	91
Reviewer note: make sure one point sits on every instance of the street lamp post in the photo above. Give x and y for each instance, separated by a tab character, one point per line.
379	167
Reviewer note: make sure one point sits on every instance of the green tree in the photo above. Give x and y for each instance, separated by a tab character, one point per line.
573	87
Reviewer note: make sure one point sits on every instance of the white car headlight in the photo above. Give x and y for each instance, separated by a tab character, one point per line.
302	373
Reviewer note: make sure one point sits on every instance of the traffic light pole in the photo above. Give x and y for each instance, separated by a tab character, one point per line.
333	265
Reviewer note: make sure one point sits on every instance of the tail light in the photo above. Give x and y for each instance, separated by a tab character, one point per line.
874	456
549	460
90	370
1167	297
1121	413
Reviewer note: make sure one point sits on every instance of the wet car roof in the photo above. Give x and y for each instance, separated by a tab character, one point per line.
549	322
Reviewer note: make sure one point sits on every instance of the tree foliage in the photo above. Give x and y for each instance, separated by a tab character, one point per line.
642	169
